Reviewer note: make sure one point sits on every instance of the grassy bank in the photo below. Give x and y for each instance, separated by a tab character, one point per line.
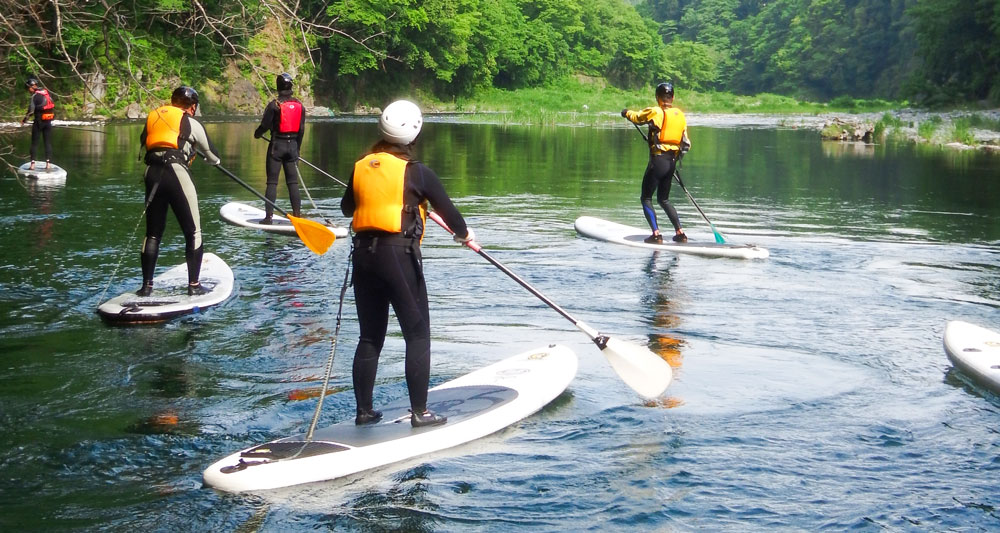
595	104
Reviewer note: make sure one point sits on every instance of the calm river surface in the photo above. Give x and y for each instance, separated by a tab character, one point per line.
812	391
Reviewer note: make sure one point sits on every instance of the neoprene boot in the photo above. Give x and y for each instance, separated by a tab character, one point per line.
654	239
367	416
426	418
196	289
680	237
146	289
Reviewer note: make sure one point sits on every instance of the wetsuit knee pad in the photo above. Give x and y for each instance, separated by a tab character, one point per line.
151	246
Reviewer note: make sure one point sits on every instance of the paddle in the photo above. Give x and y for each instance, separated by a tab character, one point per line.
314	235
317	169
321	171
718	236
306	189
647	373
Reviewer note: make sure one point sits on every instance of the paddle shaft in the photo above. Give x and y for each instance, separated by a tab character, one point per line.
317	169
598	339
81	129
677	176
246	186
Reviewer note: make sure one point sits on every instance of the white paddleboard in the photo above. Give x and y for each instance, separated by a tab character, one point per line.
975	351
54	173
606	230
249	216
477	404
170	298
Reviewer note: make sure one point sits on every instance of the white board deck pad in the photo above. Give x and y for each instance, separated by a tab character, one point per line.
606	230
476	404
170	298
248	216
40	173
975	351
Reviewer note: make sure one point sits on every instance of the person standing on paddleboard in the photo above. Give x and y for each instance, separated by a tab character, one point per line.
387	198
285	117
668	142
172	138
43	110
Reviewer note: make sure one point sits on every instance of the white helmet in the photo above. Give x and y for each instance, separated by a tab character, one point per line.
400	123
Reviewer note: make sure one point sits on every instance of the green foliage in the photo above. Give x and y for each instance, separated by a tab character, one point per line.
927	128
962	131
855	54
982	122
958	44
886	124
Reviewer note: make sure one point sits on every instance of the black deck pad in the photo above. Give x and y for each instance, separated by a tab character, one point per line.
291	450
457	403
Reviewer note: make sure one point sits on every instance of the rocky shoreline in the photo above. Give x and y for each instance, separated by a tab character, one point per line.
845	127
862	127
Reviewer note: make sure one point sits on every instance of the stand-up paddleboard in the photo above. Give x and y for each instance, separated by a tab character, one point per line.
975	351
249	216
477	404
606	230
170	298
52	174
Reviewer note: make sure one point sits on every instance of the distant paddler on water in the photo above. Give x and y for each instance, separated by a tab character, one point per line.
285	118
668	142
41	109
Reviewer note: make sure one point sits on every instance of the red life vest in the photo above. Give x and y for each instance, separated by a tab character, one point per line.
47	113
290	112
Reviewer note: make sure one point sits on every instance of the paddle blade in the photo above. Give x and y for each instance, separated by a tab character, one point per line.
718	236
644	371
314	235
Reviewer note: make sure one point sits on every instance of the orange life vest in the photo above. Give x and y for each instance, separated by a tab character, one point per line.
672	126
378	195
163	128
47	109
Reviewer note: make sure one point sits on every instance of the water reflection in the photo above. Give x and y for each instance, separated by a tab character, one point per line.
838	149
665	317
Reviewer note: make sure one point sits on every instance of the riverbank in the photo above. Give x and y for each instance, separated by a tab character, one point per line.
963	130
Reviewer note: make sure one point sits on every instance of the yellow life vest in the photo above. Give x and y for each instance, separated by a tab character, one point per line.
672	127
378	194
163	128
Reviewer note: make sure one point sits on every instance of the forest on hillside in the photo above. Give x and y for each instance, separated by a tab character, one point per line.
101	55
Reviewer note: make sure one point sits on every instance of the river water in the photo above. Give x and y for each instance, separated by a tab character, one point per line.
811	389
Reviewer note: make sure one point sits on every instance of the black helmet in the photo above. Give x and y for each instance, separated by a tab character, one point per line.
665	91
31	82
184	96
284	82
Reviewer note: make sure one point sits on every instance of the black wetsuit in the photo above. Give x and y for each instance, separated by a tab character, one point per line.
282	152
40	129
169	185
388	270
658	177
